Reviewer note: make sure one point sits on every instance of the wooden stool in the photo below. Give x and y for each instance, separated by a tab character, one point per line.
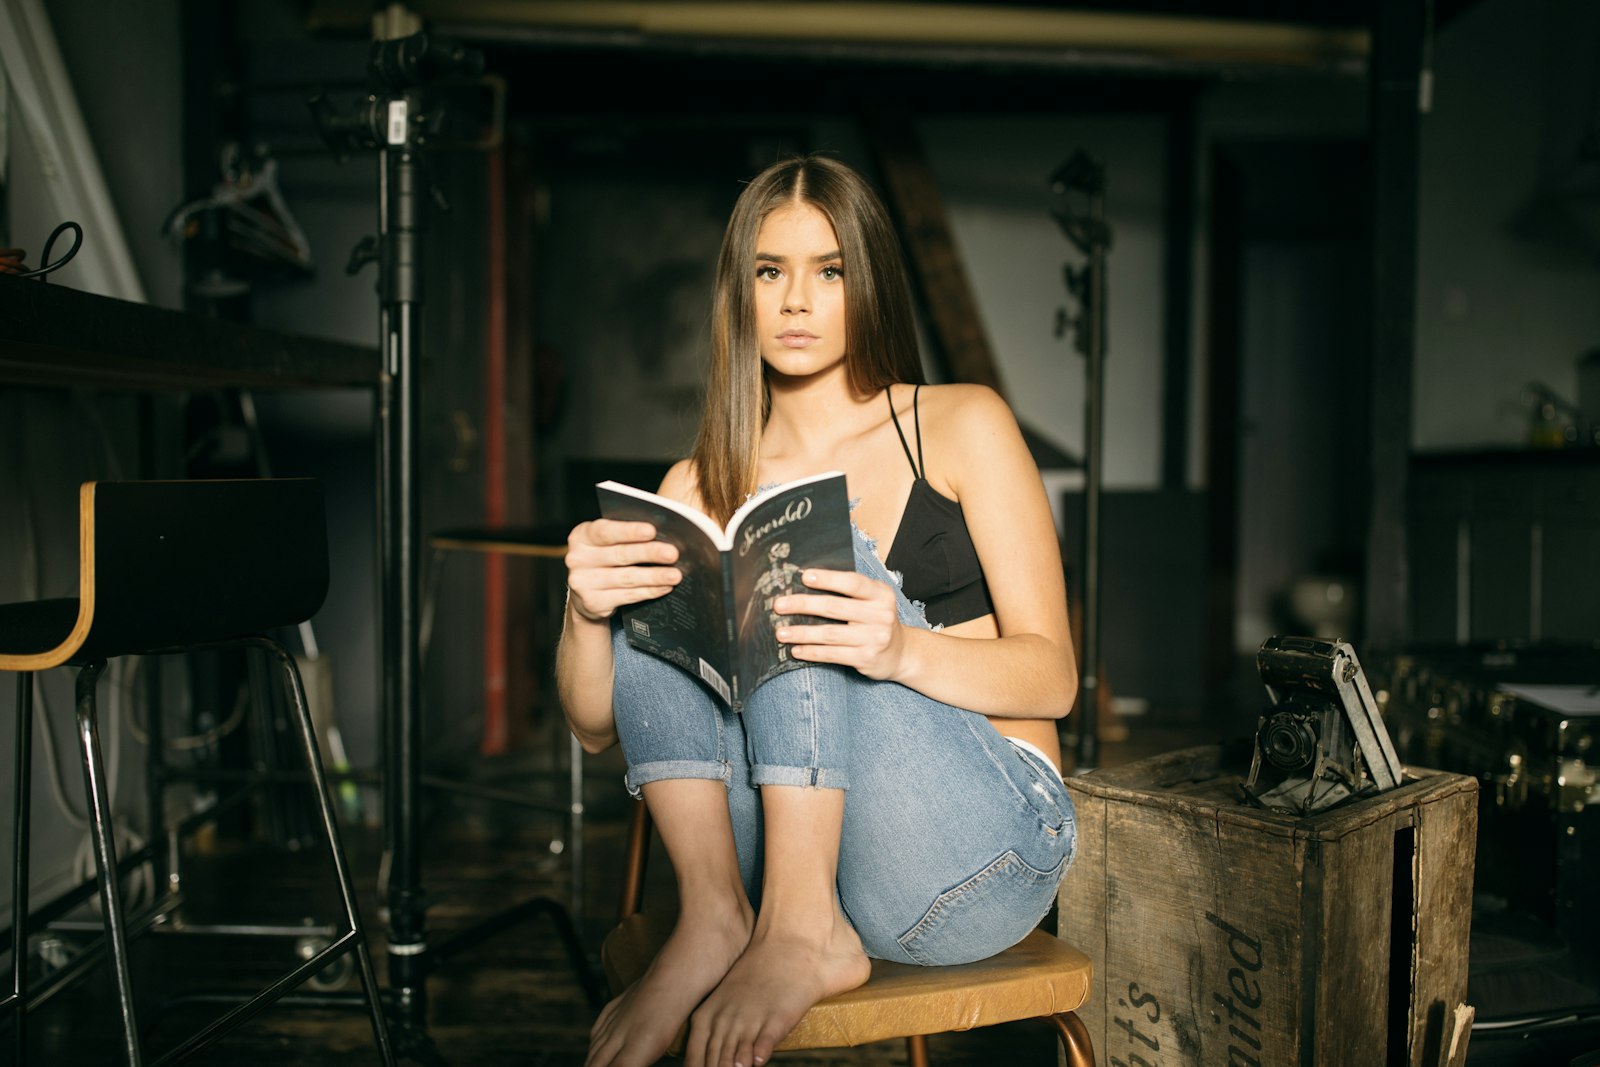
172	567
1040	978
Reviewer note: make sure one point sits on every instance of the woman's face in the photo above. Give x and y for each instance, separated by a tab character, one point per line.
799	292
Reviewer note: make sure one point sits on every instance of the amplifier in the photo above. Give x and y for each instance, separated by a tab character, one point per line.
1525	721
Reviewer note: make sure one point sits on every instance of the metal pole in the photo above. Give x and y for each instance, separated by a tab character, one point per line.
1084	176
403	220
392	122
1088	739
1396	100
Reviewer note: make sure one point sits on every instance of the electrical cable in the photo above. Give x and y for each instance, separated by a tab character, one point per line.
91	410
1545	1021
112	721
29	571
192	742
119	672
32	581
49	243
52	761
139	885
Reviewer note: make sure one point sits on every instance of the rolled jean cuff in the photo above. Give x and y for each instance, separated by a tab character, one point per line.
816	777
661	770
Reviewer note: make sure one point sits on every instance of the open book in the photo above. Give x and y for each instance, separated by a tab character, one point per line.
718	623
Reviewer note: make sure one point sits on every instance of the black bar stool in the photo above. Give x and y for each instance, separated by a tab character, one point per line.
172	567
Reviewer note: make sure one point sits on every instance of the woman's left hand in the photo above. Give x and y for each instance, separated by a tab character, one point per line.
866	634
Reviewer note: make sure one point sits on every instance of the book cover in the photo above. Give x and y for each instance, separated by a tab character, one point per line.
718	623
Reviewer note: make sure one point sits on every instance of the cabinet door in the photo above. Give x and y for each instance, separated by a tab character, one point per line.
1505	551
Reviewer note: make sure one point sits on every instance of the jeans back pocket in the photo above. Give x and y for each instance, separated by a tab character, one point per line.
986	914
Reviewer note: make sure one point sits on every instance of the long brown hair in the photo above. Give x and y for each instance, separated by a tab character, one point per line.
880	337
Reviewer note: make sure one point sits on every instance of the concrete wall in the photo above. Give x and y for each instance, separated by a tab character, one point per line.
1510	220
123	60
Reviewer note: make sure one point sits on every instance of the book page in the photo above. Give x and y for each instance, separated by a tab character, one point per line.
661	503
760	500
688	625
799	525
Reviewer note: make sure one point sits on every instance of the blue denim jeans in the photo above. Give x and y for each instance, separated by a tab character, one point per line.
954	840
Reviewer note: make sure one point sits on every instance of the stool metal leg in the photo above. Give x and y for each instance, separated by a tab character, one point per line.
353	939
330	827
19	868
105	855
1076	1047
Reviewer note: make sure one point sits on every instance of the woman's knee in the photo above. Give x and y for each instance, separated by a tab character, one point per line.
667	722
799	727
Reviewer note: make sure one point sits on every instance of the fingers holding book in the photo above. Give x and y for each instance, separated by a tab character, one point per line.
611	564
865	634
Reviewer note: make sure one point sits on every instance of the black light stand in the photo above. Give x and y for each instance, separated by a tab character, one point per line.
396	120
1081	184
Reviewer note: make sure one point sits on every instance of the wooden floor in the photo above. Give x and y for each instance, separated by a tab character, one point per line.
511	1000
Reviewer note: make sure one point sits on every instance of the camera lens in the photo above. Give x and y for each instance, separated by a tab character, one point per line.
1288	741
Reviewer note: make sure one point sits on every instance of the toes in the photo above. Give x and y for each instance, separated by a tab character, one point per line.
605	1016
602	1051
717	1054
694	1047
719	1051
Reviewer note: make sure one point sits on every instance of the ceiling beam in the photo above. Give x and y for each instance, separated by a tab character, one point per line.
950	29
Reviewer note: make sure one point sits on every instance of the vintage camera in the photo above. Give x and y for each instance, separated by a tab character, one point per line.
1322	741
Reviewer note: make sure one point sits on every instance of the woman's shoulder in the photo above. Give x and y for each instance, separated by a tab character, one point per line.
681	483
968	436
962	408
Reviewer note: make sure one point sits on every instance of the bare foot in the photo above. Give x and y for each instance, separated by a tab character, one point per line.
635	1029
777	980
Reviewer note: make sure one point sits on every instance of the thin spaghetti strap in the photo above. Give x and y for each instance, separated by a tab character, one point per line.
901	433
916	416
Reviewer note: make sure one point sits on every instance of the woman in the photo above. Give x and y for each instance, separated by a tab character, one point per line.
899	797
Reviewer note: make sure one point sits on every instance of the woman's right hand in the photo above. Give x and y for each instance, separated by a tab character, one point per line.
611	564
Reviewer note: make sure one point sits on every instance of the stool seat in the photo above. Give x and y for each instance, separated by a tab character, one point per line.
1039	977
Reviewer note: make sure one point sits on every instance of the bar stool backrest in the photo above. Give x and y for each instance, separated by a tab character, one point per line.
170	567
164	564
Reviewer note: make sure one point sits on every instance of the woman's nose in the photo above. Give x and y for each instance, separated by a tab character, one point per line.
795	298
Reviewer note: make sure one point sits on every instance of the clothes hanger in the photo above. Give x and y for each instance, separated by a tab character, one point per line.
258	221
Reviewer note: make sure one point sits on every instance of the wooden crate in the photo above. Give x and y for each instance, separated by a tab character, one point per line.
1225	934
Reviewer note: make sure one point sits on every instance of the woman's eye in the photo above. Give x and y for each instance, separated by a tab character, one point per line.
832	273
767	273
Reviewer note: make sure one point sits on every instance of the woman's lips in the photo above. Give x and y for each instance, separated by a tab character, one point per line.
797	338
